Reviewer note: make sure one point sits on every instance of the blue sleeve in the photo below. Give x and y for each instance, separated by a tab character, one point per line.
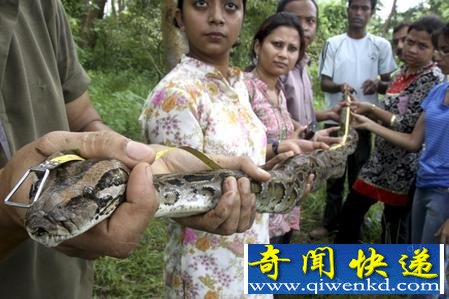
438	92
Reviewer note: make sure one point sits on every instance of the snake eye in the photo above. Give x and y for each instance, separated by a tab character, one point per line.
40	232
89	192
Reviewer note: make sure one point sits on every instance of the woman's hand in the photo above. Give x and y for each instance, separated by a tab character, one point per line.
443	232
362	122
324	135
299	146
361	107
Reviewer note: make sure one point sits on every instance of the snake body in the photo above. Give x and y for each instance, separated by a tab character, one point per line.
80	194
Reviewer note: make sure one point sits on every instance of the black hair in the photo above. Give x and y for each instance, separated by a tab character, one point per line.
283	3
373	4
401	25
444	31
431	24
181	3
277	20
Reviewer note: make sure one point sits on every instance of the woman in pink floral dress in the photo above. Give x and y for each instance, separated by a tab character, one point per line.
277	48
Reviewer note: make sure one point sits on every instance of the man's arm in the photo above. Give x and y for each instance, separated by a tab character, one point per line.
379	85
328	85
383	83
82	115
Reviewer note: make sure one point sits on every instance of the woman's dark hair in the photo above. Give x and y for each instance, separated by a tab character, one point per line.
283	3
431	24
181	3
444	31
286	19
401	25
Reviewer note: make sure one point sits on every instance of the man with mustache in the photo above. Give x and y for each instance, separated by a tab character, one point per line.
361	63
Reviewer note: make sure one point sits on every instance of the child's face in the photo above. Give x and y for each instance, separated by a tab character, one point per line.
418	48
279	51
441	55
212	27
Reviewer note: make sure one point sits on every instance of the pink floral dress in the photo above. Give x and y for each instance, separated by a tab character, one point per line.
194	105
279	127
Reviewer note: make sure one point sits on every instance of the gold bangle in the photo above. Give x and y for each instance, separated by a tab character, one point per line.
392	120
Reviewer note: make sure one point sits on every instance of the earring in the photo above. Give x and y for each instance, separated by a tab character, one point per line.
255	60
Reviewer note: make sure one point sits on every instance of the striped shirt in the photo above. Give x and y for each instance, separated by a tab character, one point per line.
433	168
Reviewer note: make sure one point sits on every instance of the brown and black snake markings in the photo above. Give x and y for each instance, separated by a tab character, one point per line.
80	194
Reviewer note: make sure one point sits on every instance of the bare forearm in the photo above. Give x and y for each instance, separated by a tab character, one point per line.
406	141
330	86
381	115
83	117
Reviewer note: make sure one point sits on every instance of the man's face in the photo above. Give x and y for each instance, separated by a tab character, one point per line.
359	14
398	41
306	12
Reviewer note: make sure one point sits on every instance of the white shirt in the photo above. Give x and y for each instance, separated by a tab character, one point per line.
353	61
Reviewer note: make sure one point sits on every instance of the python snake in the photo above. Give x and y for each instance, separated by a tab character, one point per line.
80	194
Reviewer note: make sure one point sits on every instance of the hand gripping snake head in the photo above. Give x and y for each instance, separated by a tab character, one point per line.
76	196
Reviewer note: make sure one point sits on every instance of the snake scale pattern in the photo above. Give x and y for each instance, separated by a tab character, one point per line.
80	194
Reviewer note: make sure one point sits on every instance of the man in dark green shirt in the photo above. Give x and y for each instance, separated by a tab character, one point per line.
43	88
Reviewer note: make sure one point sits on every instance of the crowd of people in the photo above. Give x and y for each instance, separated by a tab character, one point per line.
246	119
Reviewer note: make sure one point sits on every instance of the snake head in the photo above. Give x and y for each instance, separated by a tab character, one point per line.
76	196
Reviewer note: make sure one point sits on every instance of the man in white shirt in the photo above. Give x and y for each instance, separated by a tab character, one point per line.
361	62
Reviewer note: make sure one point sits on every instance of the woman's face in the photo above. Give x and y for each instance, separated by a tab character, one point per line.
212	27
279	51
441	55
418	49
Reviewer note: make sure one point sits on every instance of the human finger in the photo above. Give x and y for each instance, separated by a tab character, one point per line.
213	221
308	187
328	140
230	225
99	144
311	145
270	164
247	205
245	164
331	130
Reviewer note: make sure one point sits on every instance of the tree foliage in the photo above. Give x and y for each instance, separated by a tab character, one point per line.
127	37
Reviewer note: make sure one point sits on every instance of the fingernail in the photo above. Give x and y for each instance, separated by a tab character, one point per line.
138	151
262	172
